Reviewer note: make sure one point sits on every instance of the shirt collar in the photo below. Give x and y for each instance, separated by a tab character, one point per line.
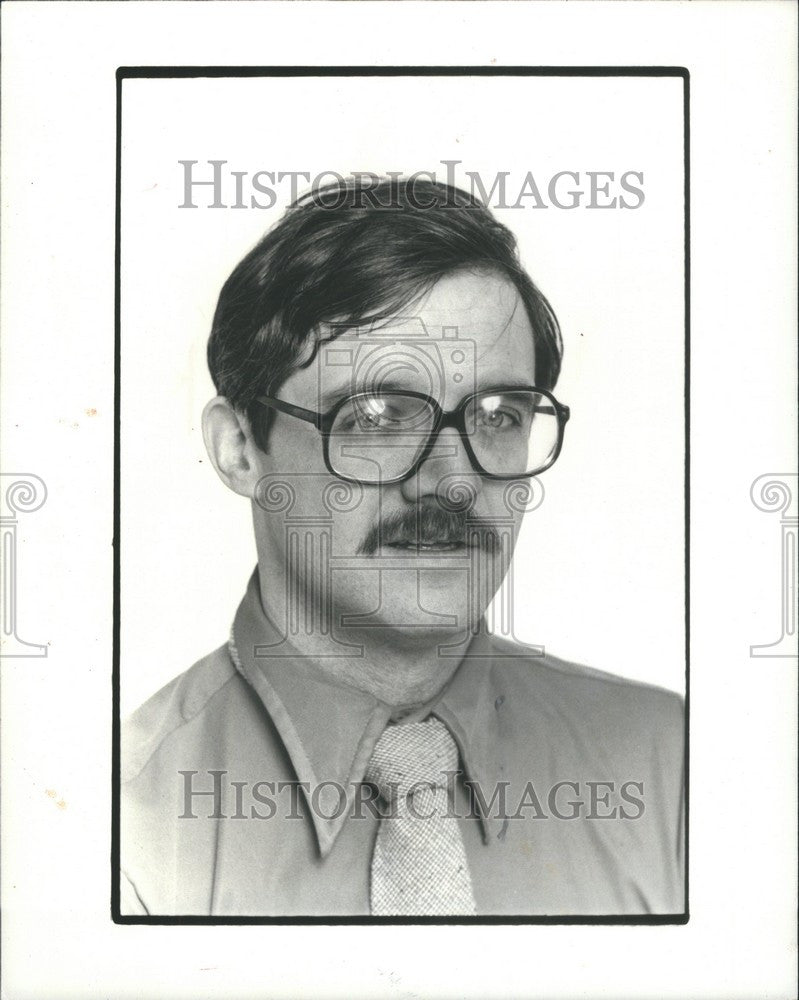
330	730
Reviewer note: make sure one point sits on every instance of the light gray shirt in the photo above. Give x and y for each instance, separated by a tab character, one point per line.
243	786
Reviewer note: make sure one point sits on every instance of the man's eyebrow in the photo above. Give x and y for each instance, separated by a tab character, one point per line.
511	382
336	394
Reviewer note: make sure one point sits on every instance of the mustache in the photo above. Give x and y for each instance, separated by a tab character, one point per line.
431	524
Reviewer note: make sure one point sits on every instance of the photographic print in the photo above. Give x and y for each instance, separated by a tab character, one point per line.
401	591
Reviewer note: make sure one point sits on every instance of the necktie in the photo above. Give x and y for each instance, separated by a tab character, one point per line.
419	863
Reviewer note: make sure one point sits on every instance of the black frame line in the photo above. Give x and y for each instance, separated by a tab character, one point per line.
188	72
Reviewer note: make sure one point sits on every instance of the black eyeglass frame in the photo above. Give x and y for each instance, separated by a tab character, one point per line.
456	418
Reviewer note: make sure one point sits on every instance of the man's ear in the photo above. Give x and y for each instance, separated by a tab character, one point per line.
230	446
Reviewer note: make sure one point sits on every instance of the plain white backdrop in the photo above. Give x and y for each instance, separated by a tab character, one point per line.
57	309
599	568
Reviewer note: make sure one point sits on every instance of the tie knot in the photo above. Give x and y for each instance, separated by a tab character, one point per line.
421	753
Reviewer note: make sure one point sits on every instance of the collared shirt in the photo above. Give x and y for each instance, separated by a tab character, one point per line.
243	792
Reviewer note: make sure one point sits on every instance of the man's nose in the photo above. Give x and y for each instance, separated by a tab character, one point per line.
446	473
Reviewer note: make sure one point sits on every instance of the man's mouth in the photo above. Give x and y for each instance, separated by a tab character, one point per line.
437	546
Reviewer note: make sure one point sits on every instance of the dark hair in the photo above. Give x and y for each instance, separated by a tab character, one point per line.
349	253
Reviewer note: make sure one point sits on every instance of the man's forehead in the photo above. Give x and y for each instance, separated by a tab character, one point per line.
471	304
480	308
476	297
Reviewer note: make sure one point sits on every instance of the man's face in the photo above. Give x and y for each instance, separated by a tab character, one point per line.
422	557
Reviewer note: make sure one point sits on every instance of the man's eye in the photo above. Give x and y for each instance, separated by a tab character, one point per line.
498	419
374	419
368	419
384	421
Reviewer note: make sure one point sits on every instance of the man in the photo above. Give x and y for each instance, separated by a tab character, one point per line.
364	744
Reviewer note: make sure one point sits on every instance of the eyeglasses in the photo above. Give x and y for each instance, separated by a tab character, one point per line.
383	437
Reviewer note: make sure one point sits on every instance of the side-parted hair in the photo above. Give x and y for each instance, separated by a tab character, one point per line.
351	254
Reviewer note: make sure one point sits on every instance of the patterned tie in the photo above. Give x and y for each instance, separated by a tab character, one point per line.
419	864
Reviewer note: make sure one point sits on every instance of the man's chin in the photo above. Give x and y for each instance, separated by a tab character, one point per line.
424	599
